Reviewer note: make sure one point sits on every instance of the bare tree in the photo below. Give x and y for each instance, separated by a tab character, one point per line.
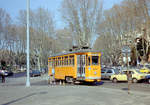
82	17
42	32
122	22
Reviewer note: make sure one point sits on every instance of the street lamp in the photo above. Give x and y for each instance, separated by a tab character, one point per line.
28	50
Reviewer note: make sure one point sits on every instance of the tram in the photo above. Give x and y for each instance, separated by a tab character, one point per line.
76	66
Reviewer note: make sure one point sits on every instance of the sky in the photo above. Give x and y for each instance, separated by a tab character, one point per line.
14	6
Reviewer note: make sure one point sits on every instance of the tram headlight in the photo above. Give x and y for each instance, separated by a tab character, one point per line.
89	68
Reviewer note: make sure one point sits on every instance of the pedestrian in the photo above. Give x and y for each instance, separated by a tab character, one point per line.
51	79
129	78
2	73
53	75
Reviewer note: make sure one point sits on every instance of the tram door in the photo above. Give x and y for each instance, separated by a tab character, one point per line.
81	66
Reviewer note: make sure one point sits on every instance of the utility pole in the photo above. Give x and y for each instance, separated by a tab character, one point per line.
126	52
28	50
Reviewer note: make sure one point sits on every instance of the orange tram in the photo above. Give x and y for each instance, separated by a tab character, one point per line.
76	66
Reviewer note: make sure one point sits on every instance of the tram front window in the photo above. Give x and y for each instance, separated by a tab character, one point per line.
95	60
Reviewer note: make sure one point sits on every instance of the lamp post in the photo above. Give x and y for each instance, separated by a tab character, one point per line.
28	50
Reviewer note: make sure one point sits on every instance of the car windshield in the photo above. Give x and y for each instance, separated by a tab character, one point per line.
138	72
148	66
35	71
116	71
103	71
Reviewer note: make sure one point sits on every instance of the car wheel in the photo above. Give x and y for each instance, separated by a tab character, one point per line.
109	77
134	80
114	80
149	80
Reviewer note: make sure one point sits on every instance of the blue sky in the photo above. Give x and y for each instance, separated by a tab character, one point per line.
13	6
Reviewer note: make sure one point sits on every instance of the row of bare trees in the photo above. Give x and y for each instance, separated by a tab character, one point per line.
121	25
13	37
86	24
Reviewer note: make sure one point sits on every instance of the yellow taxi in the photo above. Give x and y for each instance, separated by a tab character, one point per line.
122	76
145	70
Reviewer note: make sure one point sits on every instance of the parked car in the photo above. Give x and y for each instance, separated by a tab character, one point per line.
145	70
147	77
122	76
6	72
107	72
44	70
34	73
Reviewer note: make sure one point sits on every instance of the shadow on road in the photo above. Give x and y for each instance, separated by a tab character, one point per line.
19	99
91	83
125	89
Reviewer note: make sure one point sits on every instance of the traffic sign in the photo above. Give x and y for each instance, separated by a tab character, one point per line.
126	49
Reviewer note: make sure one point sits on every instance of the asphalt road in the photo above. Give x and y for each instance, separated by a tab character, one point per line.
142	87
70	95
105	83
40	93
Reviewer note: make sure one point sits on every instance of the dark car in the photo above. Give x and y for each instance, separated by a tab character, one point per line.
8	73
147	78
34	73
44	70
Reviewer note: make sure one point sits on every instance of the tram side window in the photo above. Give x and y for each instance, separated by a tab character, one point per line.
54	64
59	59
57	62
50	63
66	60
88	60
95	60
71	60
69	63
62	61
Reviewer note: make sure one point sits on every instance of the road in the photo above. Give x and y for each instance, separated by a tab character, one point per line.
70	95
42	81
40	93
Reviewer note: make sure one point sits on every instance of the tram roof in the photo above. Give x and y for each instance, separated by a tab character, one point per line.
72	52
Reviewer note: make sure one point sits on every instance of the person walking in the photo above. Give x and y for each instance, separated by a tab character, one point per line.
53	76
51	79
2	73
129	78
